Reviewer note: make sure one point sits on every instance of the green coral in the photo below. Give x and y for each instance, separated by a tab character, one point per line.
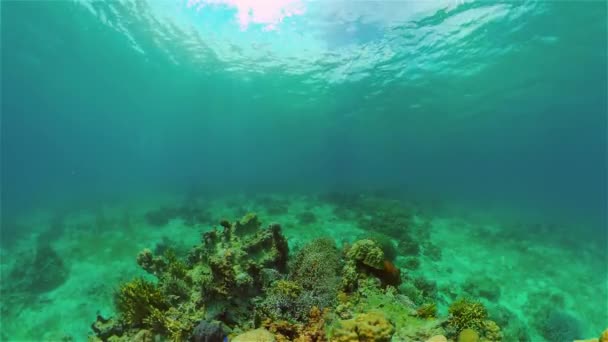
219	279
174	323
150	263
316	266
491	331
468	335
367	252
465	313
365	259
249	224
384	241
138	299
287	288
175	267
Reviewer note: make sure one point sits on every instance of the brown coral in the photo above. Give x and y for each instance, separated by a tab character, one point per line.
313	331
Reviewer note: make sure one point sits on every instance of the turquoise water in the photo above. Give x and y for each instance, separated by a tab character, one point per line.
489	108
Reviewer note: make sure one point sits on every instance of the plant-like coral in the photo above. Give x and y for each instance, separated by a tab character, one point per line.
465	313
150	263
137	300
218	281
284	301
316	267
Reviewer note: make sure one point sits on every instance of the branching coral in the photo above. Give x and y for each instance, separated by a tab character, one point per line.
137	300
465	313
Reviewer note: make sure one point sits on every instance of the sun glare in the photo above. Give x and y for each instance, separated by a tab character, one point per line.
269	13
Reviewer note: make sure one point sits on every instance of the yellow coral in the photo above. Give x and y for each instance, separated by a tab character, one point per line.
604	336
467	314
468	335
287	288
367	252
257	335
491	331
367	327
138	299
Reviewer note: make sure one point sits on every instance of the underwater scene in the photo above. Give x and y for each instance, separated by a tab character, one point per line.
308	171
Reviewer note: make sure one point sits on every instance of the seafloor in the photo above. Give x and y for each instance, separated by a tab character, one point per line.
68	267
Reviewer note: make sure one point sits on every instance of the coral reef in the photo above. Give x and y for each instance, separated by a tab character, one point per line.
241	282
217	282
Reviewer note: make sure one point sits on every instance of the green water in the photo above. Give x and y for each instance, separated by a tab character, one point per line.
492	109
